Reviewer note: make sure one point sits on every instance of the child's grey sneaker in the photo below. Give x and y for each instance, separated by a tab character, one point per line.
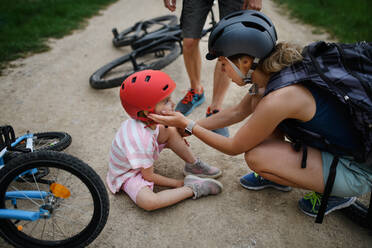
202	186
201	169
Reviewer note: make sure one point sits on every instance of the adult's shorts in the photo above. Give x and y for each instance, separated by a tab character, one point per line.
195	12
352	178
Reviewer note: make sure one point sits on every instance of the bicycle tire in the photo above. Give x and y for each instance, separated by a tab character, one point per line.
65	214
55	141
358	212
101	78
139	29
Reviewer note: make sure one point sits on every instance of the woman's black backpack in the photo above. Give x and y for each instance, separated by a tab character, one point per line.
345	71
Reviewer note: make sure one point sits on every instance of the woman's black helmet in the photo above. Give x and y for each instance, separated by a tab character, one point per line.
243	32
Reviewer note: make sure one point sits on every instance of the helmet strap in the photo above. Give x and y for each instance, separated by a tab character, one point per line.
149	122
247	79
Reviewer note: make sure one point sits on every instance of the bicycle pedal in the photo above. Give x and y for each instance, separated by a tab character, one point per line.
115	32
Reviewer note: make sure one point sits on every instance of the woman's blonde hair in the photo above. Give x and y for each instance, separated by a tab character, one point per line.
284	54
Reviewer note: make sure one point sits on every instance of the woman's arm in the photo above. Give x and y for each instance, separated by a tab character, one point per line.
260	125
288	102
149	175
229	116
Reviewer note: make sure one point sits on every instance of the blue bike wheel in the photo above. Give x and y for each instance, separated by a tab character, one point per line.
67	206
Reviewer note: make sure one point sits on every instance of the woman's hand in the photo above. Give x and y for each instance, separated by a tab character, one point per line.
170	118
170	4
252	4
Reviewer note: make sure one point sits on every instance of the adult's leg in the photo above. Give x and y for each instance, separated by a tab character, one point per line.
194	14
277	161
192	60
220	80
221	84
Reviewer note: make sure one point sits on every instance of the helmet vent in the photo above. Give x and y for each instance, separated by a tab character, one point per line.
134	79
254	25
165	87
122	86
262	17
232	15
147	78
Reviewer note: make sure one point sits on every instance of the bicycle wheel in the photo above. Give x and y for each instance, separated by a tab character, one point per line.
114	73
358	211
72	199
56	141
138	30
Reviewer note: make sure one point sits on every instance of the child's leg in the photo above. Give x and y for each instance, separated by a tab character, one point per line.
149	200
194	186
176	143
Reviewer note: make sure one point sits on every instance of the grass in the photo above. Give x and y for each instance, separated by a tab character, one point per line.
347	21
25	25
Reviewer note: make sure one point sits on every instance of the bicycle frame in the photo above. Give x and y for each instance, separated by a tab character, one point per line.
14	195
29	145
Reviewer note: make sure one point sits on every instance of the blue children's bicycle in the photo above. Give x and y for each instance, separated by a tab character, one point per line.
48	198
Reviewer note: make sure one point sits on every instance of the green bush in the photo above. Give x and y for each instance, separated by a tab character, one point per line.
346	20
26	24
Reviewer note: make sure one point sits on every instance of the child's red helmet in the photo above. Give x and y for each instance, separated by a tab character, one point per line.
143	90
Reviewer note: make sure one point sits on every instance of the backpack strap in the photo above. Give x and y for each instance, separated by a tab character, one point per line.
369	215
327	190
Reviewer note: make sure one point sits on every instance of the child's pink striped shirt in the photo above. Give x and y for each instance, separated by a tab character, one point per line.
134	147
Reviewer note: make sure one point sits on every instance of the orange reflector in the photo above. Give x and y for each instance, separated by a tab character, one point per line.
59	190
20	228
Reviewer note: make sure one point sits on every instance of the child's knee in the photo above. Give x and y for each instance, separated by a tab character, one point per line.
149	203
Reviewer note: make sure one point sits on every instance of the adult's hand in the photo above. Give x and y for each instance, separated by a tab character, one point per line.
170	118
251	4
170	4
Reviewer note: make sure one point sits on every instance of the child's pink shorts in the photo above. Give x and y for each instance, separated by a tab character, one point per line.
134	184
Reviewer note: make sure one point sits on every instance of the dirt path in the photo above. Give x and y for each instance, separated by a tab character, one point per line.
50	91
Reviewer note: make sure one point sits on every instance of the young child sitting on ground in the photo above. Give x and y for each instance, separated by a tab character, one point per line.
139	140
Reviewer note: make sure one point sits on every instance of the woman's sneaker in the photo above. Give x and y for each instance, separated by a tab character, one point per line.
201	169
221	131
310	203
254	181
191	100
202	186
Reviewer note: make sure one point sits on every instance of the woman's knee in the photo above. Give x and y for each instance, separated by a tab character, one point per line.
255	158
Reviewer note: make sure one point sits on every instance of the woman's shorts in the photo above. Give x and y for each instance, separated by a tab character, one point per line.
195	12
134	184
352	178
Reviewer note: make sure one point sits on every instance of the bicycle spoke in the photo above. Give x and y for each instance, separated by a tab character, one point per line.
38	205
68	220
72	208
38	188
64	235
36	223
42	233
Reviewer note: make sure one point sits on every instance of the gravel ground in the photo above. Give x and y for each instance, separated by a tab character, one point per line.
50	91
